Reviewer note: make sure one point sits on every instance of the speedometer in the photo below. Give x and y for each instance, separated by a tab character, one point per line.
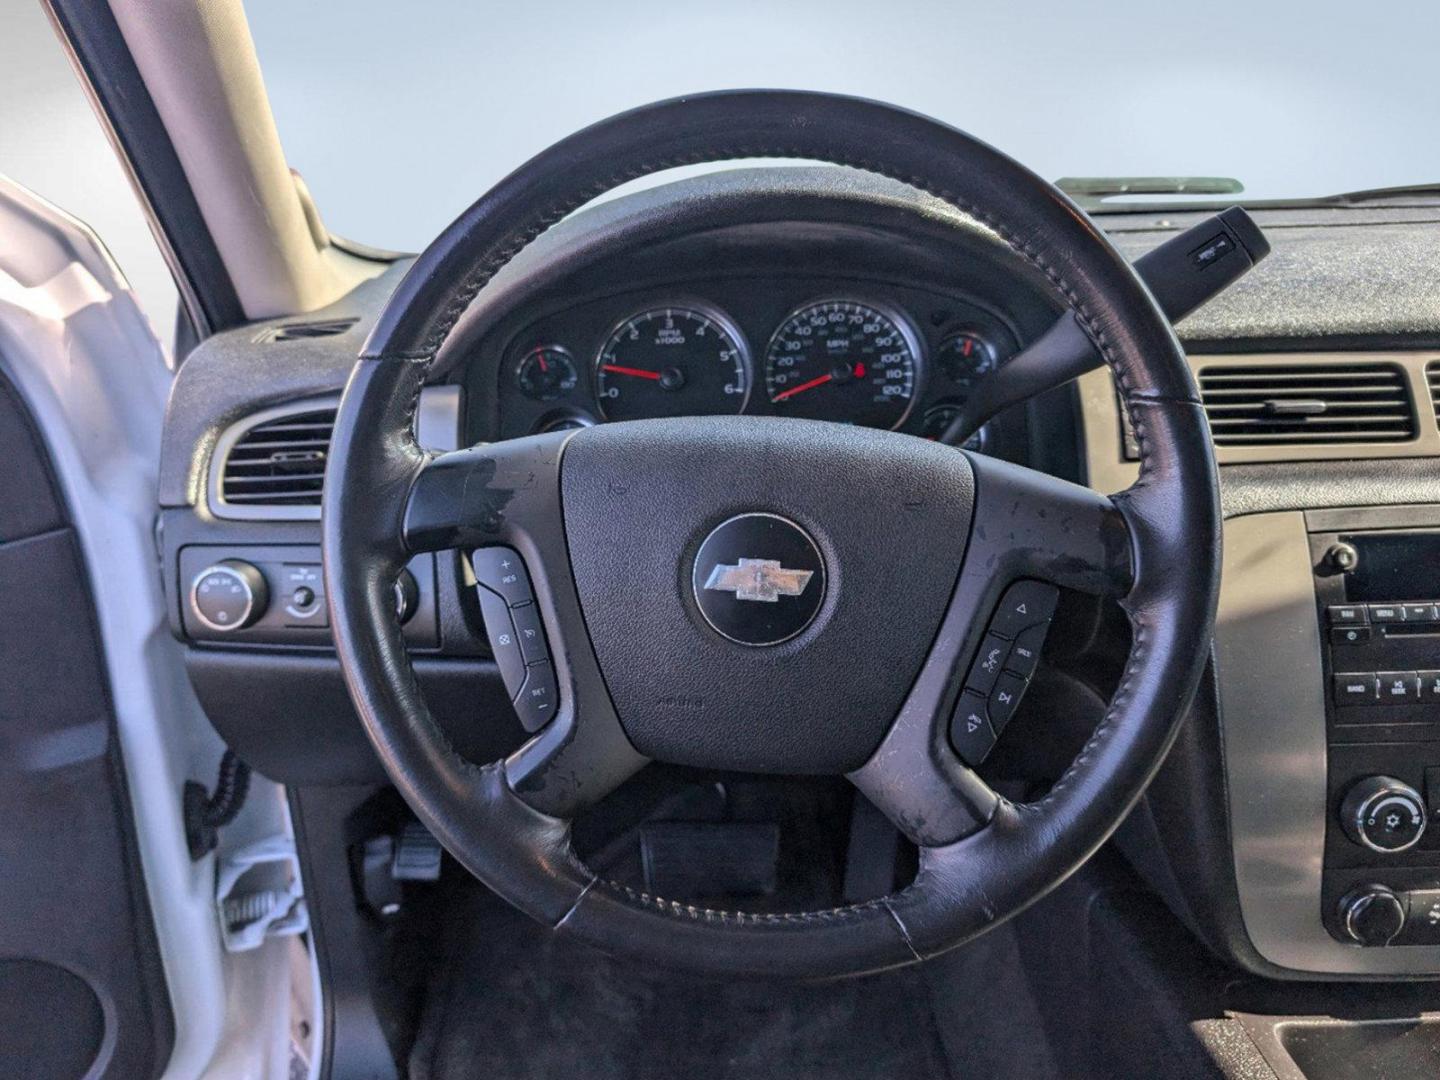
843	360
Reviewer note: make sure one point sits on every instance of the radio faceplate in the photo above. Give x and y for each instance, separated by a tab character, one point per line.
1377	596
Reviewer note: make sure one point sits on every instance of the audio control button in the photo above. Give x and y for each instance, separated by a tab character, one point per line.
1350	635
1347	615
1387	613
1422	923
1383	814
1372	915
1355	689
1398	687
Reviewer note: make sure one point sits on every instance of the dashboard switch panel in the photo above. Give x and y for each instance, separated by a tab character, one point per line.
253	594
517	636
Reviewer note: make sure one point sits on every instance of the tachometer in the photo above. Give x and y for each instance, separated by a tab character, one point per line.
673	361
846	361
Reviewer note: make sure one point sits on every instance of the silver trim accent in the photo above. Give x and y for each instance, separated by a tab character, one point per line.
1401	793
200	617
1354	905
437	429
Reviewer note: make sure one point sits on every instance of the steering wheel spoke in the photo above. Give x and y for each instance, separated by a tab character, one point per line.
1032	535
500	504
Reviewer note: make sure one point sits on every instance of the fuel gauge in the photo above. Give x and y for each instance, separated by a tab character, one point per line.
546	373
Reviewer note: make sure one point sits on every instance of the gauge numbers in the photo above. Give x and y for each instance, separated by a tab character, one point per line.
843	360
672	361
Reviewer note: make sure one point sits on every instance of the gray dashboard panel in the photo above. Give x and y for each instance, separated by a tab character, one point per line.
1272	705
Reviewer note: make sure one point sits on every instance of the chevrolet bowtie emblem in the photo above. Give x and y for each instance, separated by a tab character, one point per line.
758	579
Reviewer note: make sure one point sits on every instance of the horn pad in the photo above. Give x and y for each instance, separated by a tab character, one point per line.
761	593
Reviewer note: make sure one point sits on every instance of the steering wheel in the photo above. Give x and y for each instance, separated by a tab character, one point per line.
779	596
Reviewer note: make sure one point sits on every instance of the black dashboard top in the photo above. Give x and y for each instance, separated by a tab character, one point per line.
796	235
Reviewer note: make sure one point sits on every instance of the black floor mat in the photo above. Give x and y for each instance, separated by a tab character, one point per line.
513	1002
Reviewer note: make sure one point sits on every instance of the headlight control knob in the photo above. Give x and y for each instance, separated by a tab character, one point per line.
229	596
1383	814
1372	914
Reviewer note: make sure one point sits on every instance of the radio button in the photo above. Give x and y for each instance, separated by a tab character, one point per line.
1347	615
1398	687
1356	689
1350	635
1383	613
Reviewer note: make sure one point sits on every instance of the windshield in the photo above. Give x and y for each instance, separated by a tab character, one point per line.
400	115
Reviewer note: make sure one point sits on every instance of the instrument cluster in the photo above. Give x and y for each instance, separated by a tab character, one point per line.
871	357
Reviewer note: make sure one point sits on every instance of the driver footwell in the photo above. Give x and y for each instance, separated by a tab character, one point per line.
509	999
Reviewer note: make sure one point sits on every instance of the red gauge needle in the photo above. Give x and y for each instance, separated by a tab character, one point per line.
540	355
639	373
820	381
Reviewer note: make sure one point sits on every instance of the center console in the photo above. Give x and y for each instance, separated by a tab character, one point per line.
1327	657
1378	601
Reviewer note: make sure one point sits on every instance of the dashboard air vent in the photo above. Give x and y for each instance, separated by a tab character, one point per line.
1266	405
1432	377
280	462
299	331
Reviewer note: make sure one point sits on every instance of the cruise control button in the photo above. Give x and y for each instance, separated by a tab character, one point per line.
1347	614
504	642
535	703
502	570
530	633
1398	687
1025	604
1355	689
1350	635
1383	613
970	731
989	662
1024	655
1004	699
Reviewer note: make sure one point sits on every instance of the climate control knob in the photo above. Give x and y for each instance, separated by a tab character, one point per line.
1372	914
1383	814
229	596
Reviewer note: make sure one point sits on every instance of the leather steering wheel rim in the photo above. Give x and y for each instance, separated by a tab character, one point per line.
507	821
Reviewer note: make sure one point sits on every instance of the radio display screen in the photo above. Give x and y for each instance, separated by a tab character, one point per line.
1395	566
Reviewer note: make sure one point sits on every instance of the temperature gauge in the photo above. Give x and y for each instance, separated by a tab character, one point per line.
962	360
546	373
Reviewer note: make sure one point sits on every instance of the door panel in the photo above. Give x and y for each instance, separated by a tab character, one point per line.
81	986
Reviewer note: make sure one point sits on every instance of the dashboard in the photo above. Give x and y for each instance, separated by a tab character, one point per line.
808	293
817	347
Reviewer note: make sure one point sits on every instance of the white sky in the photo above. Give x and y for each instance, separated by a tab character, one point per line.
401	114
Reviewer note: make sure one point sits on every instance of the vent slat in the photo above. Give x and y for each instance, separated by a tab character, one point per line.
280	462
1251	405
300	331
